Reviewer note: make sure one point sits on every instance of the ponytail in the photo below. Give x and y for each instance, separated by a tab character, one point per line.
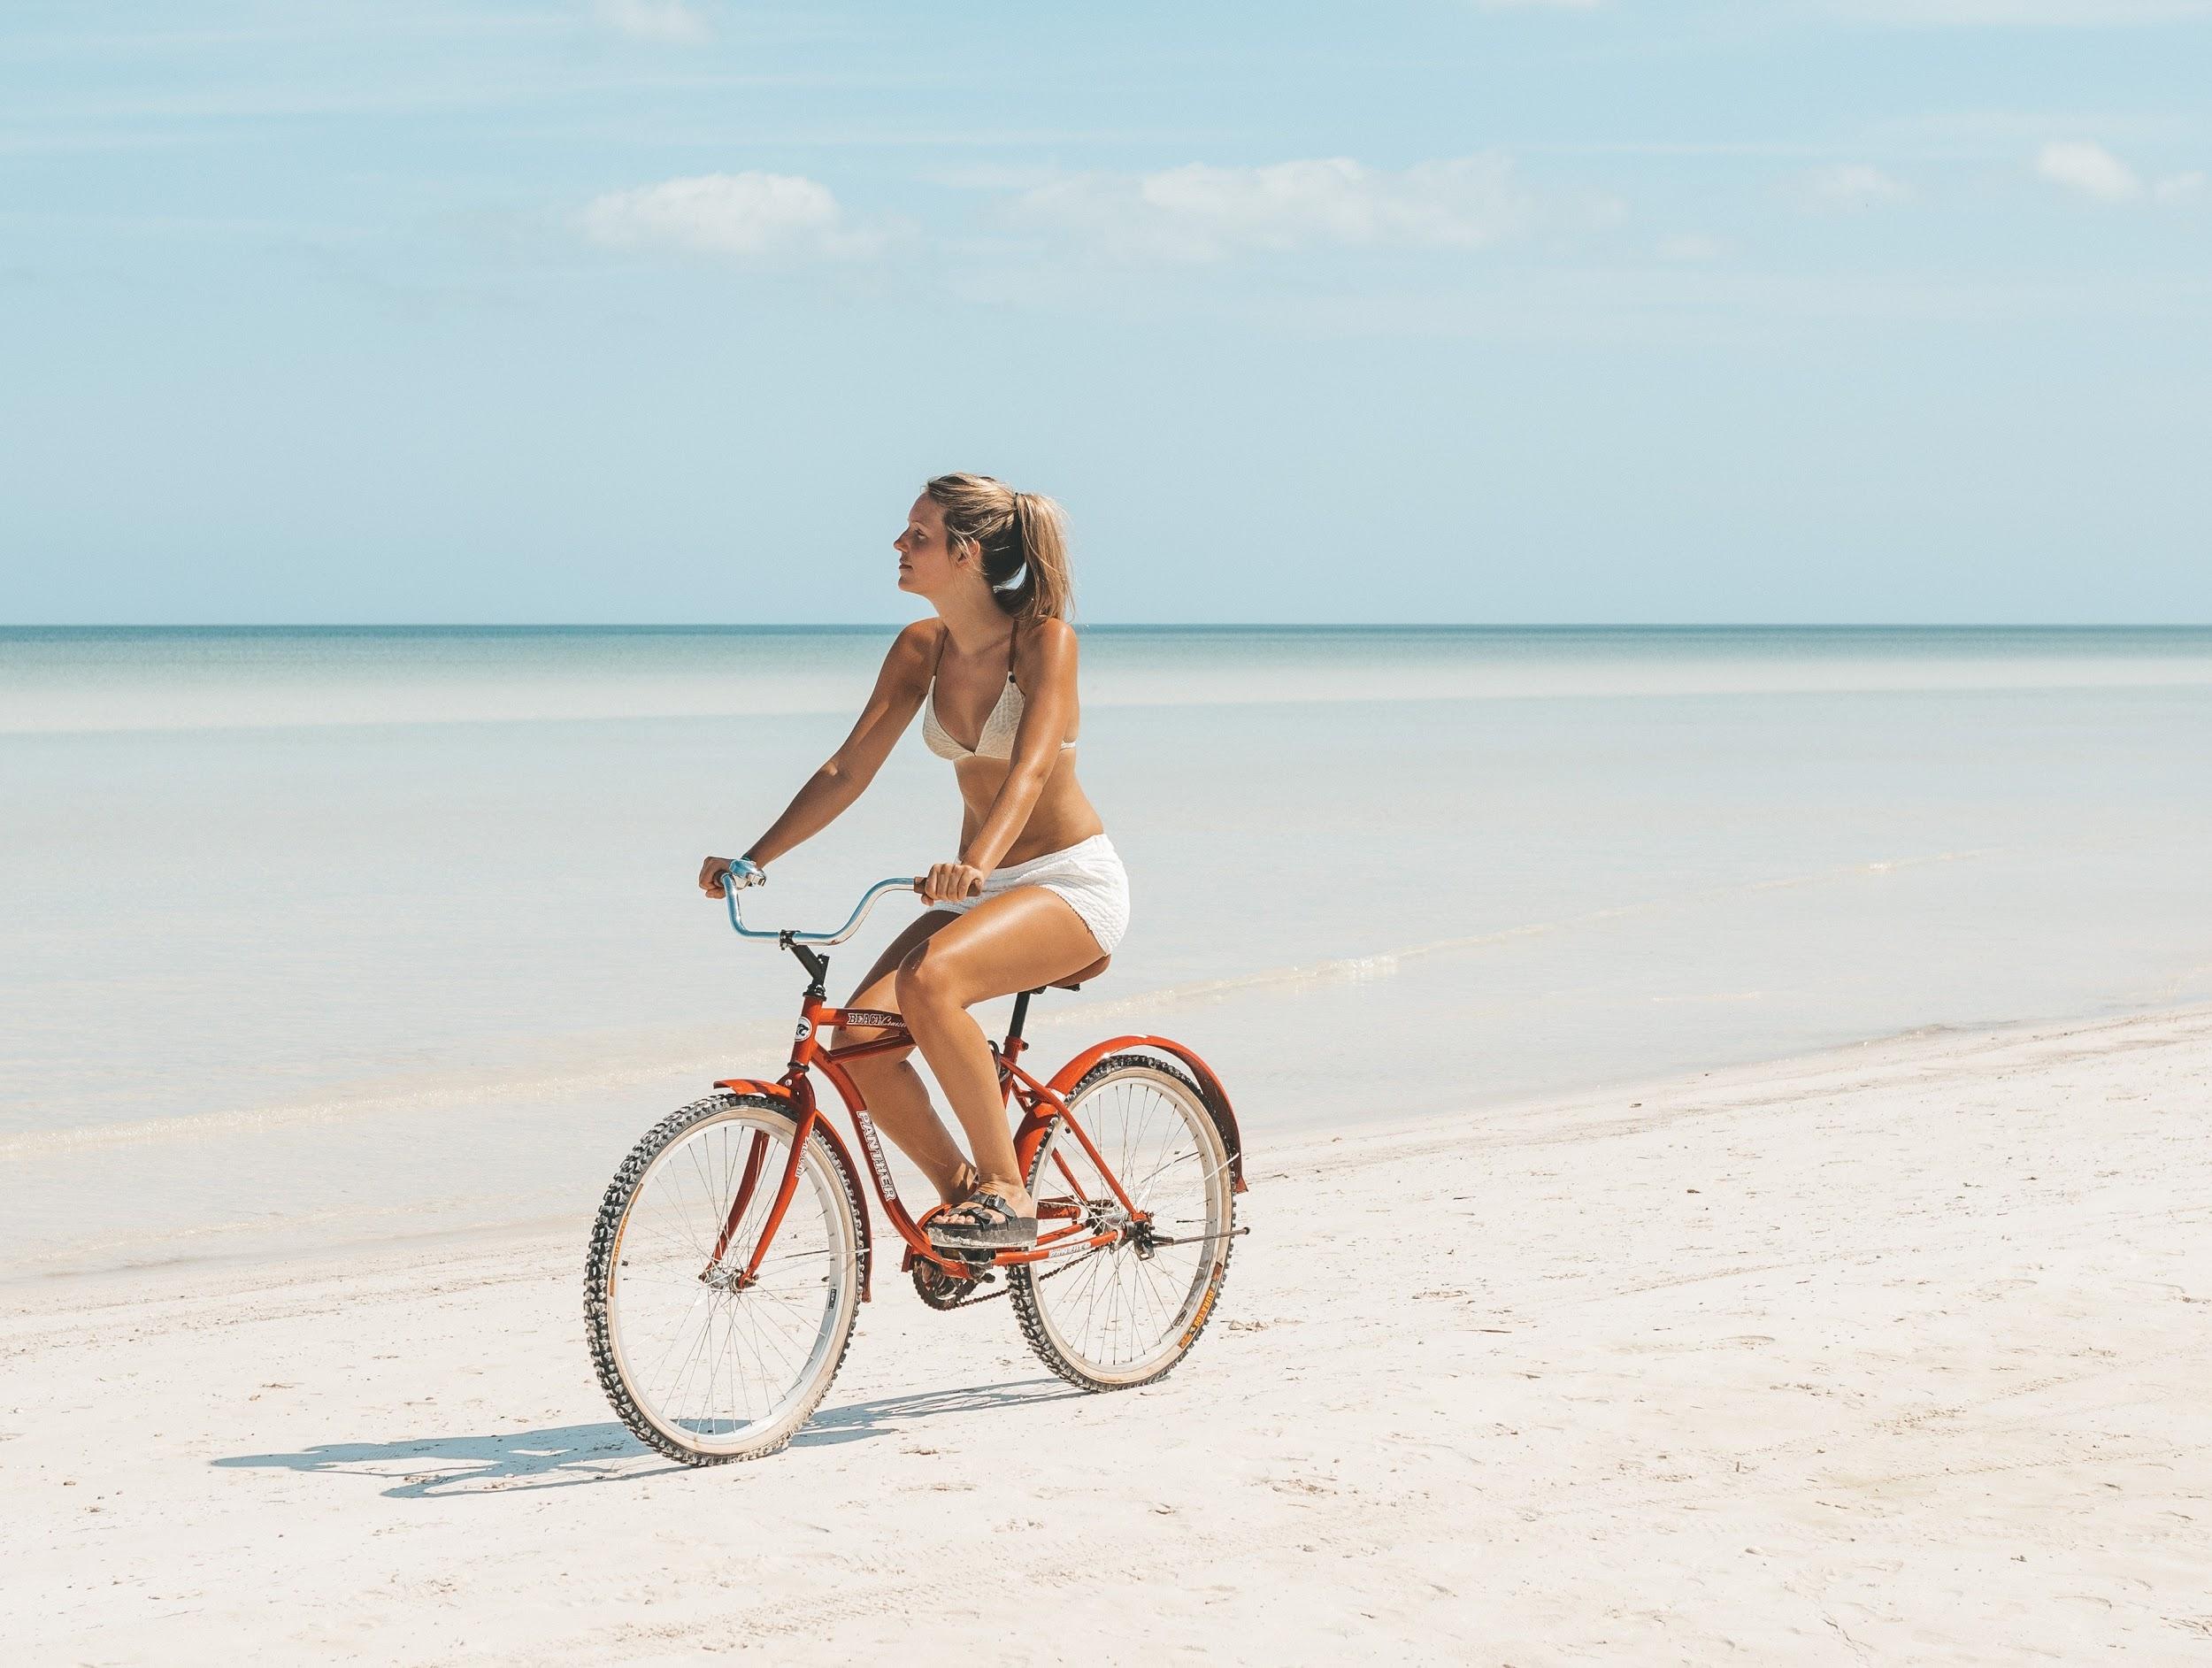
1023	538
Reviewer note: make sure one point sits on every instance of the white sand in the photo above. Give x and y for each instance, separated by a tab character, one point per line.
1898	1355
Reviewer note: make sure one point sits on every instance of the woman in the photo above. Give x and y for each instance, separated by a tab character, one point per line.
1037	893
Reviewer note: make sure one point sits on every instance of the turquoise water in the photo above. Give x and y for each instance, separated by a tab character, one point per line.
318	938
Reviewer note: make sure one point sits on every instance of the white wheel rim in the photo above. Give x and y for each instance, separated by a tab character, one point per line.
1118	1316
714	1369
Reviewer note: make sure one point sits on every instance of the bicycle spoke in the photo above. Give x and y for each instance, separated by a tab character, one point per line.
707	1357
1127	1315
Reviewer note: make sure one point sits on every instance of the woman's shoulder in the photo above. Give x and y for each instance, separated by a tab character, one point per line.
1045	643
917	645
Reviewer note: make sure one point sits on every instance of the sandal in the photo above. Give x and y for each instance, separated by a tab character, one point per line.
968	1181
983	1222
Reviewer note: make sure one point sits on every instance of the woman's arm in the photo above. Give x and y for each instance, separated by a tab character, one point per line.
845	776
1048	704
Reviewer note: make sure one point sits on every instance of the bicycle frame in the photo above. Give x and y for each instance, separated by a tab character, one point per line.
1041	1102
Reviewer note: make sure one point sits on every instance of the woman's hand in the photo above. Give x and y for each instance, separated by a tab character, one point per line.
948	883
713	869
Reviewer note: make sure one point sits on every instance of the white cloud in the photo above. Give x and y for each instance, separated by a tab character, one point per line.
1200	213
2089	169
675	21
2095	171
1998	134
747	216
1690	249
1855	185
2032	14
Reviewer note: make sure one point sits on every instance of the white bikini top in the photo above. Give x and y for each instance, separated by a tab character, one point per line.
997	738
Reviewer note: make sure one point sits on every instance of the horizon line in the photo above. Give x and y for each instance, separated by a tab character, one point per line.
872	627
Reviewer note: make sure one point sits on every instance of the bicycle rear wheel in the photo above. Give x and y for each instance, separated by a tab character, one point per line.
701	1363
1123	1315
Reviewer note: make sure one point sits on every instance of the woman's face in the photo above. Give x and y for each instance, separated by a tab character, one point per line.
927	563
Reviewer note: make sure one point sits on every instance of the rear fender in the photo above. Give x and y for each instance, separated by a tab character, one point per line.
838	1151
1209	1089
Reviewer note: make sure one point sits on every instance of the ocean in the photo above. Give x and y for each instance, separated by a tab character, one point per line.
321	939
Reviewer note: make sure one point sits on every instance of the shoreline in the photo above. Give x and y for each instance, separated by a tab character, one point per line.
25	1289
1891	1352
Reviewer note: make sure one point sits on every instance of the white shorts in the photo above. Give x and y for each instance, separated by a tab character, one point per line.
1088	874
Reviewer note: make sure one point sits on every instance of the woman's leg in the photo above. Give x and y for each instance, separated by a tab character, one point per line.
1017	940
897	1098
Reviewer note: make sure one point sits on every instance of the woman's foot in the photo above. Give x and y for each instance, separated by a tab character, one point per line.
951	1194
993	1218
965	1179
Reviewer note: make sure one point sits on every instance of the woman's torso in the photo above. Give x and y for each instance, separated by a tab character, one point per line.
978	707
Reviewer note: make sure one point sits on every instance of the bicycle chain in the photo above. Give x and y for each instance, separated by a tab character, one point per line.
968	1303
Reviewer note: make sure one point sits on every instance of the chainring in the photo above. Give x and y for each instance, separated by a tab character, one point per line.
938	1289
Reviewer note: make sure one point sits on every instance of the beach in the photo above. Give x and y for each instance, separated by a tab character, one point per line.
321	939
1725	1112
1893	1352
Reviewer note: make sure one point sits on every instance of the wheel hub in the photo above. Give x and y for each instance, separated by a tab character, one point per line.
1106	1216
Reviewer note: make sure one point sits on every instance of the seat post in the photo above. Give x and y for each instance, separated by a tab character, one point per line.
1021	1017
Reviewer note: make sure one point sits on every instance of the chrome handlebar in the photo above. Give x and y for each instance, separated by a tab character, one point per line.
730	889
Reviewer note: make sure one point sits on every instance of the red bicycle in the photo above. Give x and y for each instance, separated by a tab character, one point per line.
734	1248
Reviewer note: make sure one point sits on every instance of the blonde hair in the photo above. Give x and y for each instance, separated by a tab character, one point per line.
1023	539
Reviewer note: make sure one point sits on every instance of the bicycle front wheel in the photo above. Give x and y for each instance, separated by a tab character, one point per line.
1123	1315
702	1361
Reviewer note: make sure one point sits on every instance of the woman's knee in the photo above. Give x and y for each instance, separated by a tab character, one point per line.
926	979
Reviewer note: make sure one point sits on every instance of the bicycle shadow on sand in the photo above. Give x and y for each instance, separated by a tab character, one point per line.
885	1415
574	1455
566	1457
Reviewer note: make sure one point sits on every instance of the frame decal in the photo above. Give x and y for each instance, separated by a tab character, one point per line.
884	1186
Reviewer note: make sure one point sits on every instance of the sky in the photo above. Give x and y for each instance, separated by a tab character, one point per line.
623	310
